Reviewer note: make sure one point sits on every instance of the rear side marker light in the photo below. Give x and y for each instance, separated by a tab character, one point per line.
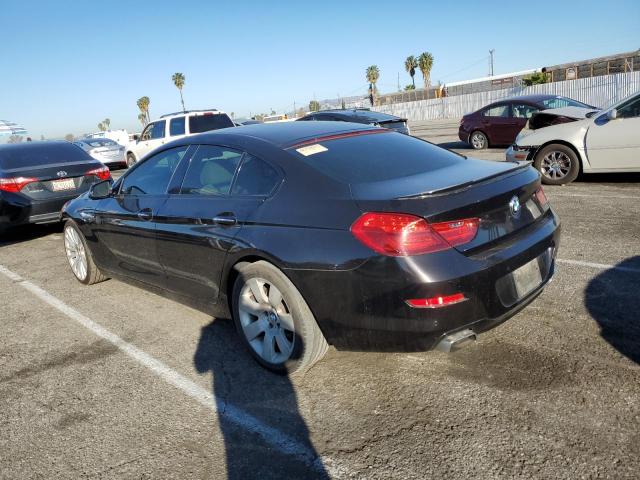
436	302
401	234
15	184
102	173
541	197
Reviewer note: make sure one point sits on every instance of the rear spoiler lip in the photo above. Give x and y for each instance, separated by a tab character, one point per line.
463	186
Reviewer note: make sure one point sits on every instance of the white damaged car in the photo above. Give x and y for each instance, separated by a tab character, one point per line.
564	142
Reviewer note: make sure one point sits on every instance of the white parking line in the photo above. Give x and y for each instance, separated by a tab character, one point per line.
278	439
601	266
594	195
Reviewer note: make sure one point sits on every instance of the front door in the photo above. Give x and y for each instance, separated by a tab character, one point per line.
151	138
126	223
497	124
520	114
615	144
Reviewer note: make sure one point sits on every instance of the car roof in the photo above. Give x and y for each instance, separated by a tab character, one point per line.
8	147
529	98
359	113
280	134
212	111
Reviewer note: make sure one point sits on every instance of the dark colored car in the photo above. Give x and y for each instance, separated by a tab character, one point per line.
310	233
367	117
499	123
37	178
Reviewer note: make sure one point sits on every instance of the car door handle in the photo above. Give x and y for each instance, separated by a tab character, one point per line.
145	214
225	219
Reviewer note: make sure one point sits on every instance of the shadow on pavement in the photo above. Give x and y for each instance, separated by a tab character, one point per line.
24	233
240	385
609	178
613	301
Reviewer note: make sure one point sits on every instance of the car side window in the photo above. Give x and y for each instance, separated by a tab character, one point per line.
522	111
152	176
501	111
255	177
176	126
630	110
146	134
211	171
158	130
307	118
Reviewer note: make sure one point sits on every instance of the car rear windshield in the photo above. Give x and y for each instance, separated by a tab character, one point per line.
36	154
100	142
373	158
205	123
561	102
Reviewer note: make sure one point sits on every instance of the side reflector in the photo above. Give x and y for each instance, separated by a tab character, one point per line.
436	302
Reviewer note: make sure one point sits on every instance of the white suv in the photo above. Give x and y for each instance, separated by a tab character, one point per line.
173	126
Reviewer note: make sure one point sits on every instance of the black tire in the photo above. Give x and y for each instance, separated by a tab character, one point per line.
309	344
131	160
480	142
557	164
93	274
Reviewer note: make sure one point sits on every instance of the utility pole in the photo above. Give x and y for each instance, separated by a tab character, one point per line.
491	52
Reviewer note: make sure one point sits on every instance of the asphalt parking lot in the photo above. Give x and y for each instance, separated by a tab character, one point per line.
111	381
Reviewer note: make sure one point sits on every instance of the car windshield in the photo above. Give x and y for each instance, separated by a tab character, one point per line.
561	102
207	122
375	157
40	154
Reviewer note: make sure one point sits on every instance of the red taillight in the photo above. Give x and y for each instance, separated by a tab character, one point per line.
541	197
436	302
15	184
401	234
457	232
102	173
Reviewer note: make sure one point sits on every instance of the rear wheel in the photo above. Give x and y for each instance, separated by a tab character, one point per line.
79	256
558	164
131	160
478	140
274	321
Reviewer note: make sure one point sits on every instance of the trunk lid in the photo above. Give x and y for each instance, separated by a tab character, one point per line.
470	189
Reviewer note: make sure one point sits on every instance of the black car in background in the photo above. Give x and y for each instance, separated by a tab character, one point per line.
37	178
311	233
361	115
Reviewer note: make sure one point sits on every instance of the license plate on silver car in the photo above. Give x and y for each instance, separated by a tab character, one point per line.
527	278
65	184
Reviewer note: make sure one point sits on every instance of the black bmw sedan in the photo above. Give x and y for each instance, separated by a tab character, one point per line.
37	178
317	233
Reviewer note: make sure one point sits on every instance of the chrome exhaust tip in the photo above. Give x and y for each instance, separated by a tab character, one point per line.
456	340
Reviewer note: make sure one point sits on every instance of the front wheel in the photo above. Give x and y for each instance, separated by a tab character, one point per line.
79	256
274	321
558	164
131	160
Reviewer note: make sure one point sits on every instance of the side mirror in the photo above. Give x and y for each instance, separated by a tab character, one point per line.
100	190
136	138
612	114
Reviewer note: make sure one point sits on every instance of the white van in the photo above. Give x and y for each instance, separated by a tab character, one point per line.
173	126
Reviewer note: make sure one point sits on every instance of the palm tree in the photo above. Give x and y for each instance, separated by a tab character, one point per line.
101	127
410	65
373	74
107	123
143	105
178	81
143	119
425	62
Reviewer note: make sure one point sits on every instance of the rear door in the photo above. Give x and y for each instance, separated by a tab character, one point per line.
497	123
197	226
615	144
126	223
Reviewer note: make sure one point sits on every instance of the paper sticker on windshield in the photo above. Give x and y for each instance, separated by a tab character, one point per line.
311	149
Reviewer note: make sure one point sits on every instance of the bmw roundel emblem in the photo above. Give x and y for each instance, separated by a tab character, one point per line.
514	206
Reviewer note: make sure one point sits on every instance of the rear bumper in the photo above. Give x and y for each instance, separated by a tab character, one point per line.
19	210
365	308
463	134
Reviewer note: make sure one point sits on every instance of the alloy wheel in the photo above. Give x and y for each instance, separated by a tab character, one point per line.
76	254
266	320
555	165
478	140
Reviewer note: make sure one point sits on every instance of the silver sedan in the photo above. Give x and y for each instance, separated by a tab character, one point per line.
107	151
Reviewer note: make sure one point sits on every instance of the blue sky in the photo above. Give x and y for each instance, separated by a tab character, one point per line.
67	65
